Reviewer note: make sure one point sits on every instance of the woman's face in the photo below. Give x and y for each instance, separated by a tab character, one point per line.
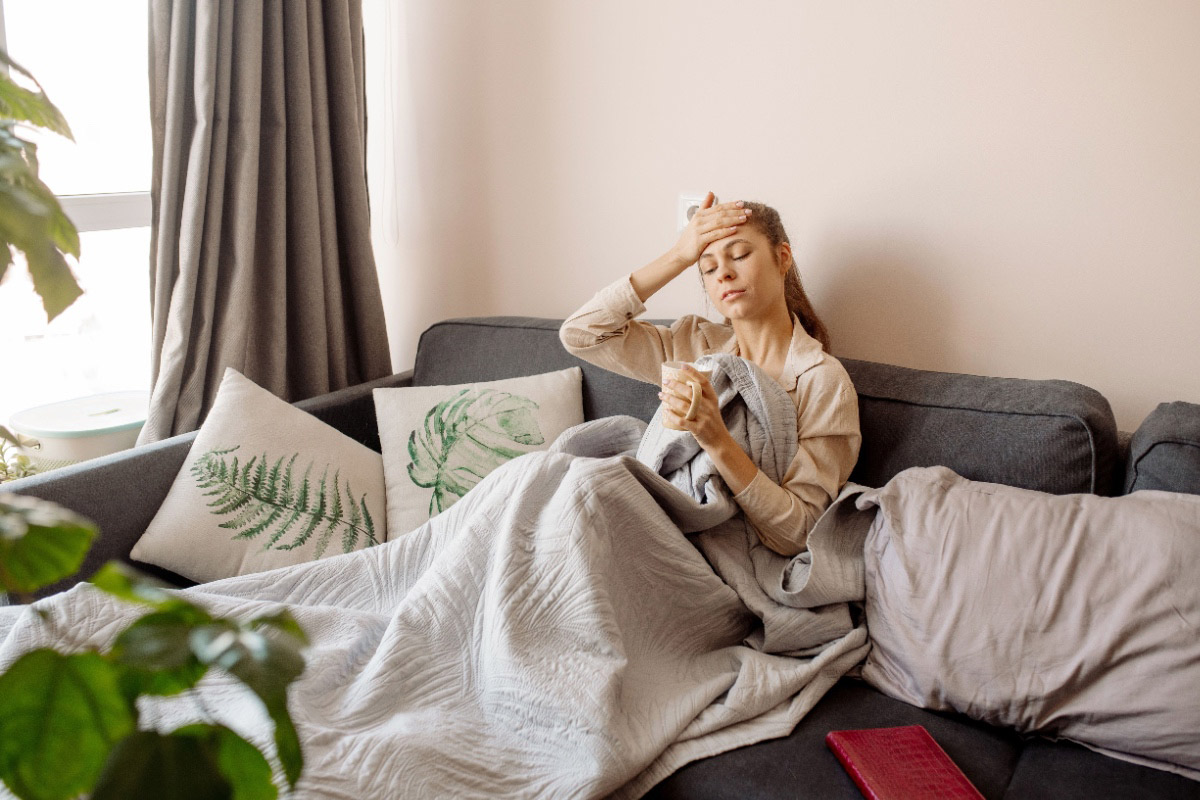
743	274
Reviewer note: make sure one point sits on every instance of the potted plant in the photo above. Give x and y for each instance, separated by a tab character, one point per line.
69	721
32	221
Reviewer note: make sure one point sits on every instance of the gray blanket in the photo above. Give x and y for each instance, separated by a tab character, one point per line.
581	624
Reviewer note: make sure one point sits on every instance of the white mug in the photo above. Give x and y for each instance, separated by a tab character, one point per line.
673	370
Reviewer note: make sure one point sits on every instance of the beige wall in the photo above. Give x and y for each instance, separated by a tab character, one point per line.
998	188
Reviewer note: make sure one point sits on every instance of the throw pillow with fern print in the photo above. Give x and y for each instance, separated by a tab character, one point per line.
265	485
440	441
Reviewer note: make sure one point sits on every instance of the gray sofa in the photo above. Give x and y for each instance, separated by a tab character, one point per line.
1053	436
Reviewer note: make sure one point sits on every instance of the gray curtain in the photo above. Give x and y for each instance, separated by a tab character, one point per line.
260	245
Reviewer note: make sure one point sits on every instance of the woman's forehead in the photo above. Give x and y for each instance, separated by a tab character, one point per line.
744	236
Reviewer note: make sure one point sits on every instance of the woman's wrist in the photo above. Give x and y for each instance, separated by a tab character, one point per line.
731	461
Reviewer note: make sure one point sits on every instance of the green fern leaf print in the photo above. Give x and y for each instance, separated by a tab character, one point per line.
261	497
467	436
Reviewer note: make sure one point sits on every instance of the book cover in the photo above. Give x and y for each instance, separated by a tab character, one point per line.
900	764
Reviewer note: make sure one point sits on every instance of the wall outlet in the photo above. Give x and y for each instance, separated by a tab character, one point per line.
689	203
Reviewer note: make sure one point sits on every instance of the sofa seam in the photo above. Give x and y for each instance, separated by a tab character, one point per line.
1129	484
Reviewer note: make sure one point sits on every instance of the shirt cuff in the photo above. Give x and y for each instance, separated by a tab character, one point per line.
752	495
620	298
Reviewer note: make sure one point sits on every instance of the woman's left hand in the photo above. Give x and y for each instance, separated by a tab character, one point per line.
709	426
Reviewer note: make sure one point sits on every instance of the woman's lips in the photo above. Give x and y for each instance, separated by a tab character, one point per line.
730	295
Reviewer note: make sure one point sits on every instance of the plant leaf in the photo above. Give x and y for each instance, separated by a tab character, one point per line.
239	763
22	105
283	622
246	769
40	542
465	437
32	221
267	662
165	767
155	652
123	581
60	716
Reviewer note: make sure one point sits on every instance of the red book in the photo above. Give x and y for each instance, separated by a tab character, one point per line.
900	764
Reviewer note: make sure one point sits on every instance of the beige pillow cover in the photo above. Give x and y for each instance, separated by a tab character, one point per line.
264	485
440	441
1073	616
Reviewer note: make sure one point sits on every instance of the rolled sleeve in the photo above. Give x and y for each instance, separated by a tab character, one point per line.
605	331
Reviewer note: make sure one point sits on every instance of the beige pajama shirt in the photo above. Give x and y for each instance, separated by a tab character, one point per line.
605	332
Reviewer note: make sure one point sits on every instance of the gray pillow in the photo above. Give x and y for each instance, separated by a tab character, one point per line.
1072	616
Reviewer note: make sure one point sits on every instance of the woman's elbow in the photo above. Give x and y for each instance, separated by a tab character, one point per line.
573	340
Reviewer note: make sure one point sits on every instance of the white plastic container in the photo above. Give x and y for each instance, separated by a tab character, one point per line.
71	431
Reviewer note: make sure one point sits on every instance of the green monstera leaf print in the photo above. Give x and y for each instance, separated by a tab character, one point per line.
467	436
261	498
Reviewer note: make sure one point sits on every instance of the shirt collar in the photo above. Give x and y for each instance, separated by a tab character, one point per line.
804	353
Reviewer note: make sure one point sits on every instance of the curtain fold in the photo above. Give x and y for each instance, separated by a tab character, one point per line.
260	241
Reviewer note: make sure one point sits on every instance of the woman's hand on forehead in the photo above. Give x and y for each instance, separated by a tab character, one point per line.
712	222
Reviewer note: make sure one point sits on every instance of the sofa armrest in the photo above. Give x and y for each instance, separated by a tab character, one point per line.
122	492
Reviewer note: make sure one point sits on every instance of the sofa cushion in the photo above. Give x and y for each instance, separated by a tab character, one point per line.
801	766
1164	452
1053	436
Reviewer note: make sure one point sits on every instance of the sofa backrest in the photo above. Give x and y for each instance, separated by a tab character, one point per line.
1054	436
1051	435
1164	452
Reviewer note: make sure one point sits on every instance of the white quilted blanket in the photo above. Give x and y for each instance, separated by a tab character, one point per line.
576	626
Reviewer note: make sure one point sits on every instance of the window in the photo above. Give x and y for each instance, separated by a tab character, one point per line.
92	59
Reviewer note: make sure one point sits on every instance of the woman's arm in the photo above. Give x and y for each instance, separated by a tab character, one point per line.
828	447
709	224
605	331
826	451
657	274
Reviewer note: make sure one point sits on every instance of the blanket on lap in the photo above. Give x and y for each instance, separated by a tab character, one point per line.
556	633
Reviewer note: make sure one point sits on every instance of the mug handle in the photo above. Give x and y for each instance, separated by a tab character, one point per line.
697	393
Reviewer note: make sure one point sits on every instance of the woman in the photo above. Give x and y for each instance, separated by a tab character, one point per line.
746	265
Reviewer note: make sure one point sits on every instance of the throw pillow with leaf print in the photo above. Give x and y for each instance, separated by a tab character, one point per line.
439	441
265	485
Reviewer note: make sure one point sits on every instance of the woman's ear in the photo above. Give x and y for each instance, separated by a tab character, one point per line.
785	257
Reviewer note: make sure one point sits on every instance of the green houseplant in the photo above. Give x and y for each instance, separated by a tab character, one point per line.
69	722
31	220
13	463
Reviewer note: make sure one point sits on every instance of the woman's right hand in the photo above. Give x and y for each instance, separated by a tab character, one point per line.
709	224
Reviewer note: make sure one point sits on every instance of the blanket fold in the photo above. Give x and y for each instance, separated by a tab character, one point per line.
582	623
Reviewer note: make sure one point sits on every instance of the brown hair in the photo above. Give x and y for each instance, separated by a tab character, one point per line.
767	220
